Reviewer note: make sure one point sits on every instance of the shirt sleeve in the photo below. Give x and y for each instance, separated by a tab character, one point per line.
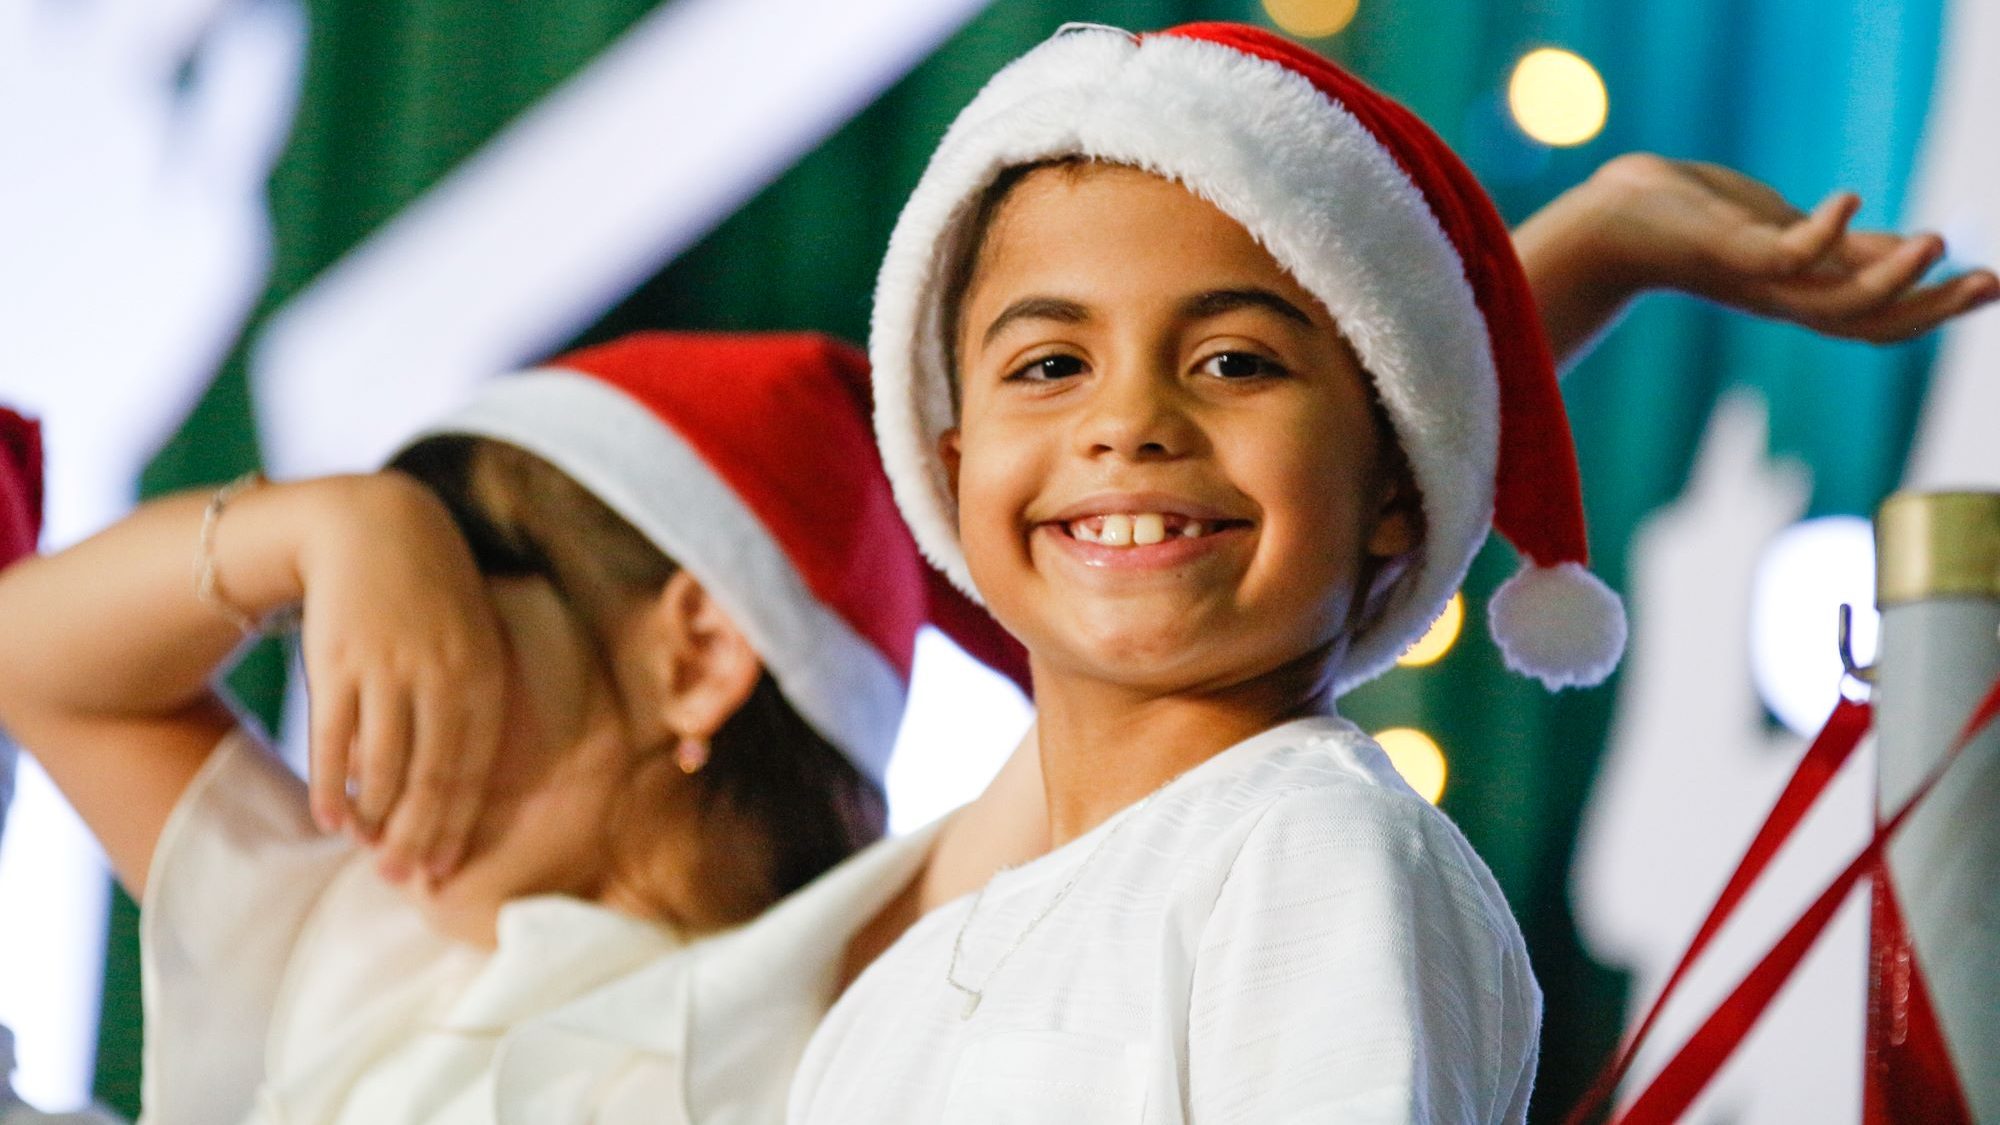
238	869
1359	965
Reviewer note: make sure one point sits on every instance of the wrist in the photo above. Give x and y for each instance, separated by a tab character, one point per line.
248	552
337	518
1578	238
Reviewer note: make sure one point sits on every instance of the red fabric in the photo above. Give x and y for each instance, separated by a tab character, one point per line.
783	419
1691	1068
1538	502
1909	1076
20	485
1822	760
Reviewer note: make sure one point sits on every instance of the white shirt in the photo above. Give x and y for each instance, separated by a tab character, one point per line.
285	983
1285	933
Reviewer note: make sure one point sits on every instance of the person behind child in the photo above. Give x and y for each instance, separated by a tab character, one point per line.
703	610
1208	368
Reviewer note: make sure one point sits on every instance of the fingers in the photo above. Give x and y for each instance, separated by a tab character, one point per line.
381	757
333	712
1880	283
1816	236
477	751
434	812
1924	309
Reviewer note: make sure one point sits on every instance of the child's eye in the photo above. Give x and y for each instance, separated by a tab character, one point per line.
1048	369
1239	366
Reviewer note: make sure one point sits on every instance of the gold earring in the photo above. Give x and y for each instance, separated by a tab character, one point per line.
691	754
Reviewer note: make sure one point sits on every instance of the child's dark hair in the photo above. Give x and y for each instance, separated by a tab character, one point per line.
777	803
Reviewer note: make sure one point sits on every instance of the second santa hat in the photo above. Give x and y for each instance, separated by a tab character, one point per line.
1373	215
747	460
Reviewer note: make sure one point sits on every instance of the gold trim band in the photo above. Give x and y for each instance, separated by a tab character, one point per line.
1937	545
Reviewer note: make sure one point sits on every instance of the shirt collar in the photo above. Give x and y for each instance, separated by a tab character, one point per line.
549	948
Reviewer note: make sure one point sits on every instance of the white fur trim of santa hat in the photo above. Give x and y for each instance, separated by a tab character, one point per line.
1314	187
620	451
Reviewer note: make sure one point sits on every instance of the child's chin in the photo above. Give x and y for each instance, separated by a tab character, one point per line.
1144	661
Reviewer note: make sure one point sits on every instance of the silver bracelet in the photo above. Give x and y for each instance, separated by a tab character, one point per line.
206	585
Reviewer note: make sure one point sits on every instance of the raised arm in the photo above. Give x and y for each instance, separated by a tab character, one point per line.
1646	222
108	657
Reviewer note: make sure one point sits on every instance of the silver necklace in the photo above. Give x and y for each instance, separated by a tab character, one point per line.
974	995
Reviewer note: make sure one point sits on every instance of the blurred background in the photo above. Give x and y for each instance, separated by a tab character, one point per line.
285	233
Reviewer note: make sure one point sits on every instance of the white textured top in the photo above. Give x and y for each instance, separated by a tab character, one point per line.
284	982
1285	933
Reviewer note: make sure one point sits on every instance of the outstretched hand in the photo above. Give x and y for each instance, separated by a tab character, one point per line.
1716	233
1646	222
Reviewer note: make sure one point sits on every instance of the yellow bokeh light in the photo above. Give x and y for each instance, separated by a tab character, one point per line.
1443	633
1417	757
1557	97
1311	19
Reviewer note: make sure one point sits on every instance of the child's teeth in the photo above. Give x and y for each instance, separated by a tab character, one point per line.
1143	529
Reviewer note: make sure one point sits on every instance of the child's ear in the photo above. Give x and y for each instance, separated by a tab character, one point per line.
702	666
950	452
1399	517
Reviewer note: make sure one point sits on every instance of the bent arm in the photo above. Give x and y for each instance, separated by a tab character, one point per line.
108	656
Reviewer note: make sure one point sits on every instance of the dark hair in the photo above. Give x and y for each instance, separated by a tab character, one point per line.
777	804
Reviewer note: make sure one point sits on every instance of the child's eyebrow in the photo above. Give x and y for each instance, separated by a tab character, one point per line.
1060	309
1215	302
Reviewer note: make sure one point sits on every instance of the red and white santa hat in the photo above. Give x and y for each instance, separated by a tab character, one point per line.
1372	214
20	486
749	461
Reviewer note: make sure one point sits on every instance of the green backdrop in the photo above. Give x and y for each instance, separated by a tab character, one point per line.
1807	94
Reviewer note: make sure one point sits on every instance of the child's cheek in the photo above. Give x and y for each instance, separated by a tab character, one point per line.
1002	470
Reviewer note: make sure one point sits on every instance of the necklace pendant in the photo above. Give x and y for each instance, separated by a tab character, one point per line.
971	1005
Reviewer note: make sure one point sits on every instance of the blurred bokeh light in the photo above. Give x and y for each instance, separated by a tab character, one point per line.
1557	97
1312	19
1807	572
1418	758
1443	633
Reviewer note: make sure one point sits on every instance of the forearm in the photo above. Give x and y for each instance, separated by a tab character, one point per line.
1578	287
1579	292
113	628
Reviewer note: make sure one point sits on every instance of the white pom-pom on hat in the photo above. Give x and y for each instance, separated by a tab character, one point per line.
1560	624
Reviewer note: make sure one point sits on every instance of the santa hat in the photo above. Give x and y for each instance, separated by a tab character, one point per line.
748	461
20	486
1371	213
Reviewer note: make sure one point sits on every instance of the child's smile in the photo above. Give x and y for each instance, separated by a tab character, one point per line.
1168	463
1123	531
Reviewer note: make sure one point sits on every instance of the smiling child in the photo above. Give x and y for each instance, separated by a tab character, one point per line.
1208	369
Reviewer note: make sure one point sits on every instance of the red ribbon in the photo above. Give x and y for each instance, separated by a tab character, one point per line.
1690	1070
1829	751
1910	1077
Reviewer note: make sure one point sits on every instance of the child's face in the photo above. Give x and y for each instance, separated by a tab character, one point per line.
1169	470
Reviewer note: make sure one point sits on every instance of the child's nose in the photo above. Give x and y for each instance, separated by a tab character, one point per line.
1138	415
